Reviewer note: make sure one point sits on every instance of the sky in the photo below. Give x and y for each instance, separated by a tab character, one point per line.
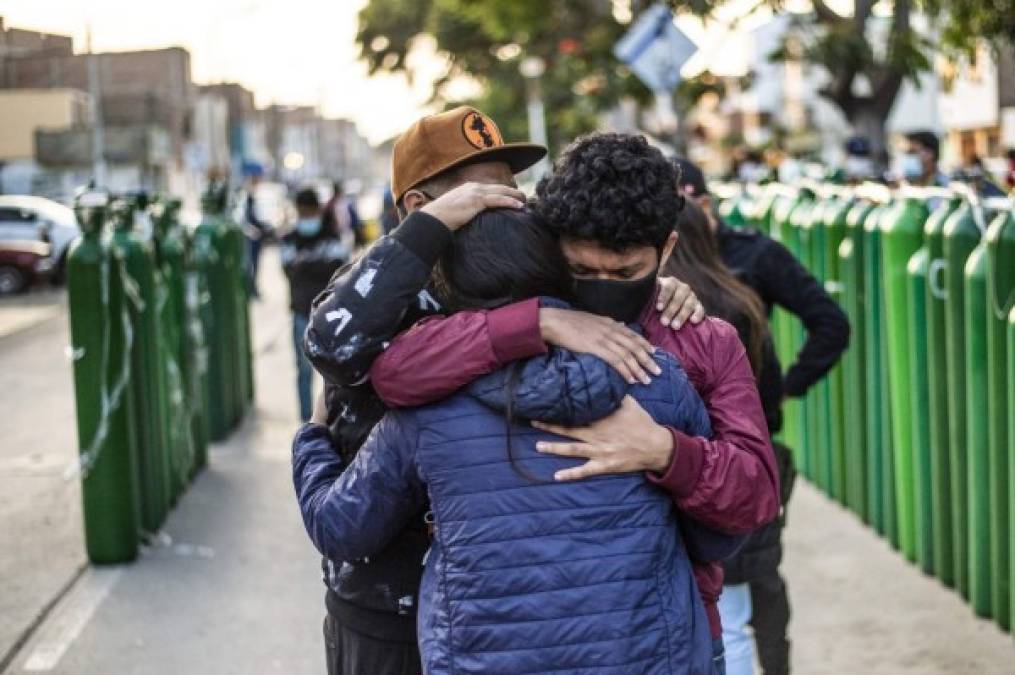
286	51
303	51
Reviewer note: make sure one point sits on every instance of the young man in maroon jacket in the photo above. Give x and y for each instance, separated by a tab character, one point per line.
610	199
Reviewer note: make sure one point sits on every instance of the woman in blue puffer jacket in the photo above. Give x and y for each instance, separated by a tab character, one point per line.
525	575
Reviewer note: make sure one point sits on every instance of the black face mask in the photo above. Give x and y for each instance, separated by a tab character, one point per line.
619	300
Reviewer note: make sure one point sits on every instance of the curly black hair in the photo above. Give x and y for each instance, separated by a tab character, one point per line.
613	188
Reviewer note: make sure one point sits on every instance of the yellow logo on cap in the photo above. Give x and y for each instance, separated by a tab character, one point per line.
479	132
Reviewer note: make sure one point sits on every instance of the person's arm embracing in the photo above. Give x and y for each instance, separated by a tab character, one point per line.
729	482
368	302
353	512
440	355
365	303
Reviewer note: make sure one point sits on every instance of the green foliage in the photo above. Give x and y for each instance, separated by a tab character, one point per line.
963	21
487	40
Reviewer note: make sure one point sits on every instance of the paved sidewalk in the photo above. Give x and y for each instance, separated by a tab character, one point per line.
235	587
859	607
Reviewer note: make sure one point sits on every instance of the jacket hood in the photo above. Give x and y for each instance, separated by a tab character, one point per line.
559	387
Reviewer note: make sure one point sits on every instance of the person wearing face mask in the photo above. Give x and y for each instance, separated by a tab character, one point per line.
919	162
610	202
310	255
445	169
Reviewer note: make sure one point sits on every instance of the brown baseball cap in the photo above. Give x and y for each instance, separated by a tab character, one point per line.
454	138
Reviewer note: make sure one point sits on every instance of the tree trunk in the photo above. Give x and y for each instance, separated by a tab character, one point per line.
869	122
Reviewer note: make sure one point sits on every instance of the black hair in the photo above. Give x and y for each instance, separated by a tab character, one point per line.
307	198
696	261
927	139
501	256
614	189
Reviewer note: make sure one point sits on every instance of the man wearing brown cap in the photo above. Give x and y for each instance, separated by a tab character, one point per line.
445	169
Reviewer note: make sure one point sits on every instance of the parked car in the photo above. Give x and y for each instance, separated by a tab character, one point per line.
23	264
26	218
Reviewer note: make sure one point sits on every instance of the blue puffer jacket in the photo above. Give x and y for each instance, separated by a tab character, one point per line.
525	575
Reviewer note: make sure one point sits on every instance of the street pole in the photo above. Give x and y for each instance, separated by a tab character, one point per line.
532	68
98	131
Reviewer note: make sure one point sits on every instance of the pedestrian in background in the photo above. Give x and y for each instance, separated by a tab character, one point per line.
389	213
340	216
754	591
919	164
311	253
256	229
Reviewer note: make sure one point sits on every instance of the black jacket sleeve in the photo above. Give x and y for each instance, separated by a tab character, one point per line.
369	301
785	282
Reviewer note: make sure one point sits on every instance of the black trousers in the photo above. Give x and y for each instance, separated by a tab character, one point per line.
770	619
352	653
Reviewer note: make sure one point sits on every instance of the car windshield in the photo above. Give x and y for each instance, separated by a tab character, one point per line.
57	213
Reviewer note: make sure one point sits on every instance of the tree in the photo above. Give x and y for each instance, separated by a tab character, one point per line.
867	70
866	57
486	40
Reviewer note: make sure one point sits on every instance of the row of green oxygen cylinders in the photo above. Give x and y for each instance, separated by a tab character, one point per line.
914	430
160	343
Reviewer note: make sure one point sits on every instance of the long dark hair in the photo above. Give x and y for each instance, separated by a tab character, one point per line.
696	261
502	256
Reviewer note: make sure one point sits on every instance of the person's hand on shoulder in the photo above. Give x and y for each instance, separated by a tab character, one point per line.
629	353
628	440
458	206
677	303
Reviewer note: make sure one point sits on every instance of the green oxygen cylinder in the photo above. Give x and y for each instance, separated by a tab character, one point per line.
978	475
216	304
1011	460
169	253
902	231
961	234
919	401
937	393
147	364
880	483
243	361
731	211
233	250
761	215
811	234
835	232
100	344
196	372
231	270
798	242
786	329
1000	244
854	361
